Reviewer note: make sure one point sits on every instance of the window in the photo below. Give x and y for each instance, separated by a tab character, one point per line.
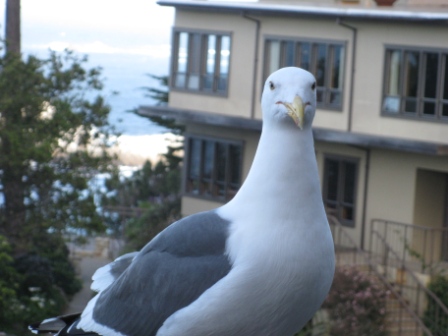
324	60
340	176
201	62
213	168
416	83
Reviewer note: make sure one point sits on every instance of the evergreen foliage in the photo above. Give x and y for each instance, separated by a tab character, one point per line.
54	133
433	318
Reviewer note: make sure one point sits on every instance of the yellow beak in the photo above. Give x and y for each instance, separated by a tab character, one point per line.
296	111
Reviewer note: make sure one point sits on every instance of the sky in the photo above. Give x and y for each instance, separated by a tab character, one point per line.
128	39
95	26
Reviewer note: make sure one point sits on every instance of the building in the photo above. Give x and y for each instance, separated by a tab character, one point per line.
381	128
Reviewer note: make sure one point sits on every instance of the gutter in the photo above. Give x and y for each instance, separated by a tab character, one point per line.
362	14
353	69
255	75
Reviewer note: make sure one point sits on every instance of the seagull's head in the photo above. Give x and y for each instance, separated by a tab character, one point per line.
289	95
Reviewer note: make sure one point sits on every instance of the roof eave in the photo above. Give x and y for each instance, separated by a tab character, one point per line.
320	134
311	11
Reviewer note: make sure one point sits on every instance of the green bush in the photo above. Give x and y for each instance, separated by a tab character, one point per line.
433	318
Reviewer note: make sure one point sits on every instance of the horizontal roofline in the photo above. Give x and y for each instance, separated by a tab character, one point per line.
320	134
383	14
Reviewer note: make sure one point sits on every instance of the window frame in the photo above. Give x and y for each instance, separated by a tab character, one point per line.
228	194
329	44
203	40
339	202
420	98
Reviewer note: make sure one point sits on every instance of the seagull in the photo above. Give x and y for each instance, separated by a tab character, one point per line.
262	264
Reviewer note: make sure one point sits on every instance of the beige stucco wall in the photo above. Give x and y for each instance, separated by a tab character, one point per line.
369	69
395	192
392	187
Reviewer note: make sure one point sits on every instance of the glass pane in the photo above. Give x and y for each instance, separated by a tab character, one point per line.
445	110
235	164
349	182
221	161
290	56
336	98
194	163
211	55
410	106
429	108
274	56
224	63
305	57
321	61
225	56
195	52
411	61
182	54
208	82
394	72
180	80
337	67
332	176
193	82
391	104
432	66
445	79
207	162
320	95
347	212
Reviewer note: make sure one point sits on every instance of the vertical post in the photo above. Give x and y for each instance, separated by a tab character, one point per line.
12	33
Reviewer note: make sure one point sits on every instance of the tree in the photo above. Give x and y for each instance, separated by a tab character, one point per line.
54	135
151	194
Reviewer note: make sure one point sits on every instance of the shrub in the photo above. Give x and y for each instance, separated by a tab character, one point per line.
356	304
439	286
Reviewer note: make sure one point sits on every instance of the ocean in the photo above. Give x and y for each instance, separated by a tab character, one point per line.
127	75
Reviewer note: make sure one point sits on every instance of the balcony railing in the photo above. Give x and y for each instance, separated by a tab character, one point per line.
410	295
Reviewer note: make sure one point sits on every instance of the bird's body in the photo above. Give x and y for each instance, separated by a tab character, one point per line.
260	265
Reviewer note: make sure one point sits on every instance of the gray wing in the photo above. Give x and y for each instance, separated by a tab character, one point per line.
107	274
171	272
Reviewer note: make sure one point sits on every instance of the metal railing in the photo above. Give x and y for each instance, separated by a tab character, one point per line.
395	261
408	321
423	249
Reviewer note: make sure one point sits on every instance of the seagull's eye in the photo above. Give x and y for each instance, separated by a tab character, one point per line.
271	86
313	86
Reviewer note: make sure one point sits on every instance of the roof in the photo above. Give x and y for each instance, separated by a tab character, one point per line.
320	134
404	14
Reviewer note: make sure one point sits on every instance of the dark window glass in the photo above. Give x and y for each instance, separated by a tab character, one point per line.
321	60
324	60
416	83
445	79
305	56
214	168
340	187
349	182
290	58
203	62
332	179
411	73
432	66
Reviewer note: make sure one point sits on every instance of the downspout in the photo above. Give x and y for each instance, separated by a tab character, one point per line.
255	74
364	205
349	126
352	74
